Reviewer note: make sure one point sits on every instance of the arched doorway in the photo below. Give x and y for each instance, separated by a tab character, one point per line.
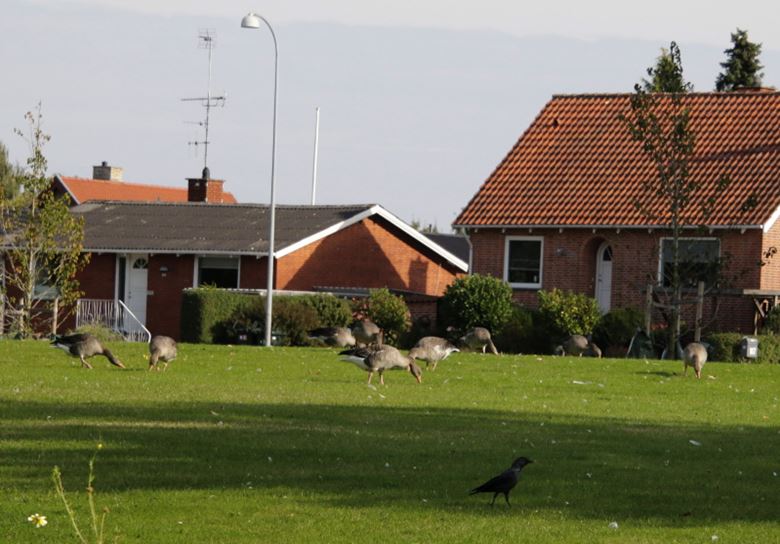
604	276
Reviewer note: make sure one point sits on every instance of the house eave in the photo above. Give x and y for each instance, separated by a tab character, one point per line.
155	251
383	213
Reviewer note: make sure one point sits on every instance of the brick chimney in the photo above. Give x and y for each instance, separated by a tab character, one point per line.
106	172
205	189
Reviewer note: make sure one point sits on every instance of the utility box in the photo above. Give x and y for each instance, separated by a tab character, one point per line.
748	348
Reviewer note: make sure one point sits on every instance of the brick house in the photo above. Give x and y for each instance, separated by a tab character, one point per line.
560	209
146	253
107	184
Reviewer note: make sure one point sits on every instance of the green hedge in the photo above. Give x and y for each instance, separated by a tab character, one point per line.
217	316
725	347
205	311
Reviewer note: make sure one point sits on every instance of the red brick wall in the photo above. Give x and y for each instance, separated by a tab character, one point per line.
98	279
371	253
254	273
569	263
163	305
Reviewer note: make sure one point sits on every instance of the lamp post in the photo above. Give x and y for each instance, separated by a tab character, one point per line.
252	20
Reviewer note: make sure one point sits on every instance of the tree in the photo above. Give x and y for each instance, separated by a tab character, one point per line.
742	67
9	175
42	243
390	313
661	124
476	301
430	228
667	74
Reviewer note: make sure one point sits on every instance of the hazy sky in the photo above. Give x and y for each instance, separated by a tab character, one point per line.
689	20
420	100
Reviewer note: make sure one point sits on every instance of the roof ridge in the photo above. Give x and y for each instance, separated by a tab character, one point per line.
741	93
120	182
230	204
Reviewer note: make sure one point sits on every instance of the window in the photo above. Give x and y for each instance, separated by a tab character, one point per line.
699	261
44	288
218	272
523	261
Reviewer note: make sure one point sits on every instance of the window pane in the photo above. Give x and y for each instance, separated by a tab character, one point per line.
699	260
524	261
218	272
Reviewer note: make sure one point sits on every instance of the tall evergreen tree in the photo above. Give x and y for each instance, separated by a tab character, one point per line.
667	74
742	67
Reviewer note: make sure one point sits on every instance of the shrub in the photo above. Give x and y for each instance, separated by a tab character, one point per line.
725	346
205	312
569	313
617	327
772	322
476	301
293	317
390	313
331	311
518	332
246	325
104	334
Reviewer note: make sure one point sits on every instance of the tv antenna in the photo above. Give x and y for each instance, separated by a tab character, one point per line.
206	40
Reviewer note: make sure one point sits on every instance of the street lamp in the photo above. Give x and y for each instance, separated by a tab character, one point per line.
252	20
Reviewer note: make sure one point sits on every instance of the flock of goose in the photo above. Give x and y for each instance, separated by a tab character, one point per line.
84	346
366	350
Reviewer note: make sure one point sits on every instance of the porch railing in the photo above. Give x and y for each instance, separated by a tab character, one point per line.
113	314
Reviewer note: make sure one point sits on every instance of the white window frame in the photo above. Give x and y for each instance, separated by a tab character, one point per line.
196	268
660	280
507	242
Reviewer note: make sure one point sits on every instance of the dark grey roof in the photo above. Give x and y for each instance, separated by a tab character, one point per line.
456	244
202	228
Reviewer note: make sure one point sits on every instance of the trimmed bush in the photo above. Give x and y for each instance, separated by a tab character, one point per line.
518	332
725	347
206	310
568	313
293	318
331	311
390	313
476	301
616	328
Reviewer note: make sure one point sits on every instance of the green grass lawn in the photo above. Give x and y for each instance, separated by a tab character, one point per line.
242	444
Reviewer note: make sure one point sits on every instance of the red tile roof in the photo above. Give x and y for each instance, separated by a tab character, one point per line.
83	190
578	165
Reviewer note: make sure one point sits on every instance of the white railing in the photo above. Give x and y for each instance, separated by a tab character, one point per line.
112	314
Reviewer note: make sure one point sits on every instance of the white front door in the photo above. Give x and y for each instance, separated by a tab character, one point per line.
604	277
136	290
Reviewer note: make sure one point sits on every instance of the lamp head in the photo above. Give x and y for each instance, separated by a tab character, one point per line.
250	20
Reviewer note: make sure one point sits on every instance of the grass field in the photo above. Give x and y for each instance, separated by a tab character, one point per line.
240	444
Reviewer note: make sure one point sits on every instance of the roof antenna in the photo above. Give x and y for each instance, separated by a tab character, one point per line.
206	40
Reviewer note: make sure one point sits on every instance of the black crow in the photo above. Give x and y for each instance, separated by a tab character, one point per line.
504	482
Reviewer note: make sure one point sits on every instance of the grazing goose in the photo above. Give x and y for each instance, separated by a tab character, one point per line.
695	355
339	337
432	349
161	348
578	345
479	337
504	482
84	346
367	332
381	359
